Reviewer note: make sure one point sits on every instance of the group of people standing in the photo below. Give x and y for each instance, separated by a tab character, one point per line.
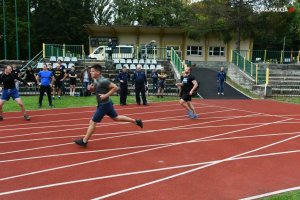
140	83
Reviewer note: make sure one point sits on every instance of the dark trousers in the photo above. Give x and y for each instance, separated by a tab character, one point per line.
123	93
46	89
221	86
140	89
154	85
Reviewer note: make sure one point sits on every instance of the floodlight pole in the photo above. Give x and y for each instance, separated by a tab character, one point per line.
4	30
29	45
17	37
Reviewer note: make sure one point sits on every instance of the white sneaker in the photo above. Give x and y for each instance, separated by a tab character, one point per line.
218	93
222	93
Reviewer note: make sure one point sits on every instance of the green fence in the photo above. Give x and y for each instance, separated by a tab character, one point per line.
176	61
62	50
267	56
257	72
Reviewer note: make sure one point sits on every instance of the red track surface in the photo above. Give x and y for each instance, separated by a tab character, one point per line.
228	153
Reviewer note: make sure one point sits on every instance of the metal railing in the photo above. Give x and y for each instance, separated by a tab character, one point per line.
267	56
63	50
260	73
176	60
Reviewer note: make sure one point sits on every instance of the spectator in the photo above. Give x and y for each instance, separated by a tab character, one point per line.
154	76
221	78
30	76
85	78
161	83
73	76
123	77
139	80
45	80
63	67
16	73
59	76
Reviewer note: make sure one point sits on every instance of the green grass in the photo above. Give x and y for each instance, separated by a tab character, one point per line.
31	102
295	195
244	90
295	100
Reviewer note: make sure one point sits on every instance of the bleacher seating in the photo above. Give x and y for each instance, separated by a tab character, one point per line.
135	61
74	59
132	66
67	59
52	59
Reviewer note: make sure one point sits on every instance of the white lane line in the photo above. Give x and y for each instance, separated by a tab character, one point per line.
119	133
131	134
272	193
129	114
192	170
174	118
132	153
149	145
89	111
143	172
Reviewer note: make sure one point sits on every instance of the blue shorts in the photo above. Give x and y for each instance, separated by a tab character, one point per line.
104	109
7	93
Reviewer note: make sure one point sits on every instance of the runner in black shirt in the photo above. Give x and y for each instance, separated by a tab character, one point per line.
9	90
188	85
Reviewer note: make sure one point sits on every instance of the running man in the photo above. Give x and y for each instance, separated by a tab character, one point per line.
9	90
103	89
188	85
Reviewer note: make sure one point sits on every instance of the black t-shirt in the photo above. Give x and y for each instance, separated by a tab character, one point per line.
58	74
8	81
72	73
187	82
16	72
30	76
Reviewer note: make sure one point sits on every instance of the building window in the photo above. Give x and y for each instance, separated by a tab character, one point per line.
194	50
216	51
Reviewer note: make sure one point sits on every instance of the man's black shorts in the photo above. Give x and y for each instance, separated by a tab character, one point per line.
186	97
57	84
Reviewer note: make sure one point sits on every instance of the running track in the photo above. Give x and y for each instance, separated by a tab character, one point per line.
236	149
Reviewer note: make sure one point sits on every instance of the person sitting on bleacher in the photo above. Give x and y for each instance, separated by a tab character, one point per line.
123	77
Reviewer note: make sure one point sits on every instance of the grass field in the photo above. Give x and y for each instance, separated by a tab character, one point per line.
31	102
285	196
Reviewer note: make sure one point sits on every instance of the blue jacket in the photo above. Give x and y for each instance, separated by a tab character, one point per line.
221	76
139	78
123	76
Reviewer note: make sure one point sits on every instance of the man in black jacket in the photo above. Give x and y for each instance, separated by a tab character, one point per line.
140	81
123	77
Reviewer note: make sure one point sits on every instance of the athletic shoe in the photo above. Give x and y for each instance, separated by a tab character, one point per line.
59	98
218	93
50	106
190	114
1	118
195	116
139	123
26	117
80	142
53	98
222	93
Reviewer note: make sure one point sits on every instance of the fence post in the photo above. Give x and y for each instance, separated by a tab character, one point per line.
281	55
44	52
267	75
244	64
82	51
231	55
251	69
265	55
298	56
64	50
256	78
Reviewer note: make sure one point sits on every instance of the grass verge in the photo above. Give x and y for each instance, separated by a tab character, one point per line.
31	102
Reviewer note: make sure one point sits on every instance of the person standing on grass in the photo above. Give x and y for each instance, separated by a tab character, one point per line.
9	90
46	78
124	78
103	89
161	83
139	80
221	78
188	86
73	76
59	76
